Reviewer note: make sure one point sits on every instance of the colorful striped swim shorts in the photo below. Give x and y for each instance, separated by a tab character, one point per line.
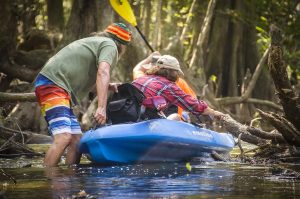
55	107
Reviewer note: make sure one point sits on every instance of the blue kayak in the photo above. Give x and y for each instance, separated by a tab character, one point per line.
157	140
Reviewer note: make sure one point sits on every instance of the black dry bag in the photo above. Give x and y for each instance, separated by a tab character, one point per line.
125	106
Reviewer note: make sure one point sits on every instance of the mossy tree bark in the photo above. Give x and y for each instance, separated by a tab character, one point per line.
83	20
55	14
288	98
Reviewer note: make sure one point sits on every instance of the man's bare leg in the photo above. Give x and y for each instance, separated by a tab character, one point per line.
73	155
56	150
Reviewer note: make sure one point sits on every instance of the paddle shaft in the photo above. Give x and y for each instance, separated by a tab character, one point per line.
144	38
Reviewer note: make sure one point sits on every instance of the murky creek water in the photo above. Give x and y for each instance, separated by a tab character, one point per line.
174	180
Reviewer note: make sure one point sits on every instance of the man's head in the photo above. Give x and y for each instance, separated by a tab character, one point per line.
119	32
166	66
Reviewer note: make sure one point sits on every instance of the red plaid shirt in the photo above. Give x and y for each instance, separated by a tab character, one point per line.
152	85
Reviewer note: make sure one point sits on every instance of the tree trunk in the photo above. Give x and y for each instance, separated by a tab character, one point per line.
289	100
8	32
105	12
55	14
228	59
188	21
29	13
196	29
157	32
147	18
198	56
83	20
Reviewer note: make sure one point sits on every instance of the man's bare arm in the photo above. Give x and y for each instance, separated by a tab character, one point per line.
102	83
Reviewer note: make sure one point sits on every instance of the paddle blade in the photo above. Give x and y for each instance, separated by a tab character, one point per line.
122	7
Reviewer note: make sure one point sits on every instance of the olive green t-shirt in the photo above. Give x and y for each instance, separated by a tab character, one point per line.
74	68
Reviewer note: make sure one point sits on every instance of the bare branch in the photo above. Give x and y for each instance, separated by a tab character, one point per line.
17	97
237	100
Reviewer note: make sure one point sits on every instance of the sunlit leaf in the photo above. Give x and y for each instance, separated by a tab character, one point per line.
213	78
259	29
188	166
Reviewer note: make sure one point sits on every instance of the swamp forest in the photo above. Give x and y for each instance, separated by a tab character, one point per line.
242	57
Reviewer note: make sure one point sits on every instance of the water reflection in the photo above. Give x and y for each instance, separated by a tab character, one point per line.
206	180
60	181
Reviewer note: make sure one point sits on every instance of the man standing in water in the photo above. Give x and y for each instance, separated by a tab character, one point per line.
65	80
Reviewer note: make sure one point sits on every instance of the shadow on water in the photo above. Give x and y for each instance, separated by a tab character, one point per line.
172	180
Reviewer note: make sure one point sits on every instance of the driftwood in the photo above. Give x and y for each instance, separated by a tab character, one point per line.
14	144
12	148
17	97
26	116
288	131
25	137
236	128
274	136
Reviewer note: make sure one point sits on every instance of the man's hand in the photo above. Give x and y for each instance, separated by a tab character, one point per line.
100	115
114	87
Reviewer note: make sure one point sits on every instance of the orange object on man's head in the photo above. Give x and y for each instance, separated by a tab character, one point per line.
120	32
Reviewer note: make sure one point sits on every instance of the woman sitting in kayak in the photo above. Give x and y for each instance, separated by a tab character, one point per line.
160	81
140	69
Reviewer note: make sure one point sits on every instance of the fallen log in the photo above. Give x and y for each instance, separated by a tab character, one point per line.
288	131
17	97
275	137
236	128
25	137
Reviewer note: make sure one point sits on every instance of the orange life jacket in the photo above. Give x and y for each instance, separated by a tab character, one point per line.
181	83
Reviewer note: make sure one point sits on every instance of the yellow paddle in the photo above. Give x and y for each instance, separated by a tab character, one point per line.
123	8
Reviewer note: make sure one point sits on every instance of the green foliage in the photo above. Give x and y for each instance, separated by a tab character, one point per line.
286	15
263	40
